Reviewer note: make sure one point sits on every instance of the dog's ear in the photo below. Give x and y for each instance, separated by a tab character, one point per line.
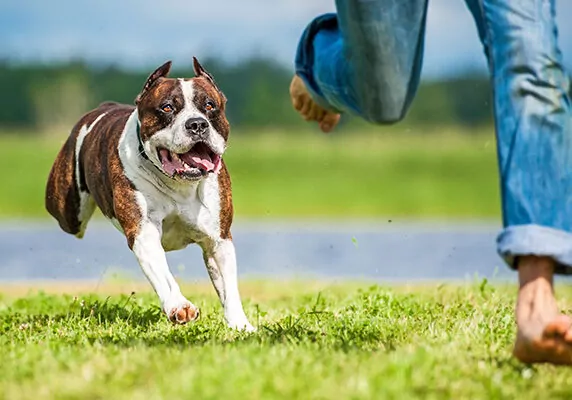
201	72
161	72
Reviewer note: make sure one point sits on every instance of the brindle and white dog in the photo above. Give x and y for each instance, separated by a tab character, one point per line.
156	171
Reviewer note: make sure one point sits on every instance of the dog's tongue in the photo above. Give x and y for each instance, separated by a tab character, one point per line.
199	157
204	162
170	165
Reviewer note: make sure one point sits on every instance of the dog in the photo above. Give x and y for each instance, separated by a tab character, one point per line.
156	171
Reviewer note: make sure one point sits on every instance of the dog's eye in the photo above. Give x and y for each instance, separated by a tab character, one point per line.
167	108
209	106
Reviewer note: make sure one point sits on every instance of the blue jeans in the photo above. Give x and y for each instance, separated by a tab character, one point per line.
366	60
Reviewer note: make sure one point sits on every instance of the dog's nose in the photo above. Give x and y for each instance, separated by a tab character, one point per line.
197	126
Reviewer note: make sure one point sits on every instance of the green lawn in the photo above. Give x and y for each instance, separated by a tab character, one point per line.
390	173
315	341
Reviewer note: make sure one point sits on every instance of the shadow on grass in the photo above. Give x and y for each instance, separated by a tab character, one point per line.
126	323
372	321
102	312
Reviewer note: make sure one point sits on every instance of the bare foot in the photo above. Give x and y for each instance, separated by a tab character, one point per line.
544	335
303	103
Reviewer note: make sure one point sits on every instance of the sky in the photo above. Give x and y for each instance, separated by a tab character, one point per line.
144	33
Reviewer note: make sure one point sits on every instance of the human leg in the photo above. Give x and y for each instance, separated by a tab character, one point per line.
366	59
534	137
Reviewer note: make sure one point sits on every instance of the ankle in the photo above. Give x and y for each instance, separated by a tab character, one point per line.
535	269
536	301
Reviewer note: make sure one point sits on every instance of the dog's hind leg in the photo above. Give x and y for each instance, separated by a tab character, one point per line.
85	212
67	197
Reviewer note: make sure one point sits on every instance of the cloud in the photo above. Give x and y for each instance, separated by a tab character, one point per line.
143	32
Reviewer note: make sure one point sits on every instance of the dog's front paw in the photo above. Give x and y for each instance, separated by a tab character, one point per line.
181	311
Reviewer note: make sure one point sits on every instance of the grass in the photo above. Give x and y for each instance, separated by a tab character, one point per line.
315	341
387	173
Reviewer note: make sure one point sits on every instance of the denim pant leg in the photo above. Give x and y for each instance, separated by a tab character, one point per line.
366	59
534	127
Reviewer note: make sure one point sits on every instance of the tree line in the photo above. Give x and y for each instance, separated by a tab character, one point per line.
38	97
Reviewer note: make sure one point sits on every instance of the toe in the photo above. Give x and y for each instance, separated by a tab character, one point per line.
306	107
192	313
568	336
320	114
297	103
554	346
310	111
307	116
184	314
173	316
313	113
181	315
559	327
298	93
329	122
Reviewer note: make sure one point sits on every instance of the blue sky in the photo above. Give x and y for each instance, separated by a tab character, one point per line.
142	33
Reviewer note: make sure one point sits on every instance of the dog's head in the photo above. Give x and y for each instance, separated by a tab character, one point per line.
183	126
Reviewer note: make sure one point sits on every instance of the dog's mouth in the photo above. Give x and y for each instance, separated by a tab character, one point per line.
198	161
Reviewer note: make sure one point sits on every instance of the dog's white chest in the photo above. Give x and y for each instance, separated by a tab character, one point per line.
187	217
178	233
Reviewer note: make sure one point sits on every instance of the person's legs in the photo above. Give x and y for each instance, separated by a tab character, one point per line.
534	137
366	59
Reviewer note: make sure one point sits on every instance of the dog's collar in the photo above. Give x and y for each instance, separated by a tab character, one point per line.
141	149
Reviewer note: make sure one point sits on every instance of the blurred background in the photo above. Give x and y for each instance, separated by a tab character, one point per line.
417	200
